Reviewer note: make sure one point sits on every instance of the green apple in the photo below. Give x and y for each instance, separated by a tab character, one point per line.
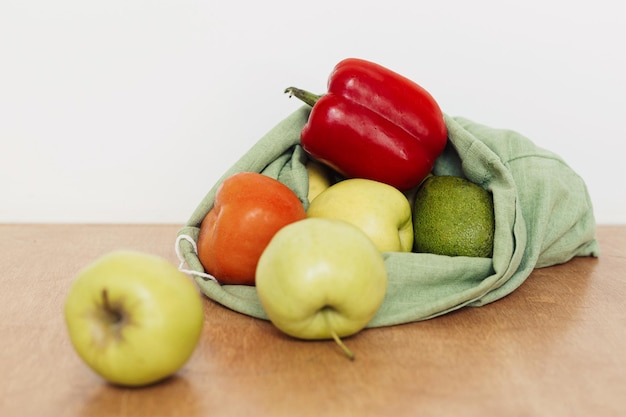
380	210
134	318
320	279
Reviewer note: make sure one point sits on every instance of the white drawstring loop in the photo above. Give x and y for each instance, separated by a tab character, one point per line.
181	258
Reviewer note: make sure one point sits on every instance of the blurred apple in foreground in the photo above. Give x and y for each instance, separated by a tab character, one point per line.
321	279
133	317
380	210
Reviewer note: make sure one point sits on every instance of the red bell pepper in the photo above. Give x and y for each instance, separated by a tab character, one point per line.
374	123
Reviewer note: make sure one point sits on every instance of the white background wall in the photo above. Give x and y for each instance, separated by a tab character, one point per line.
128	110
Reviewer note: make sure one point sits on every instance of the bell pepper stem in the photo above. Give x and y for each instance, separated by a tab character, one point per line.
305	96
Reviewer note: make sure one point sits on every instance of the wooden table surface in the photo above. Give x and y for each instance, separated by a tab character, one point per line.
555	347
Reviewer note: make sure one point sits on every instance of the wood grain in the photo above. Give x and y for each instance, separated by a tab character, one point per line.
555	347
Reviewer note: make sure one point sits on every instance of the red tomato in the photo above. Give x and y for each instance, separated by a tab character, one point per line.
248	210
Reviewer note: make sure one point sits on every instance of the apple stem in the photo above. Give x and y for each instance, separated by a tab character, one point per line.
337	339
114	315
345	348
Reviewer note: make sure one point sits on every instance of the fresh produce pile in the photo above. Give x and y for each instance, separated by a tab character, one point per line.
370	141
366	207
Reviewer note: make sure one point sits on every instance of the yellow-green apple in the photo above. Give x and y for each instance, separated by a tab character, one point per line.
321	279
320	178
380	210
133	317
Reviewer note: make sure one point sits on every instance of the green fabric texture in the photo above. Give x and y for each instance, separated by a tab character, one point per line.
543	213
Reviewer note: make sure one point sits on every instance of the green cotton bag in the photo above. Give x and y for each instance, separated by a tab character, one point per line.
543	214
